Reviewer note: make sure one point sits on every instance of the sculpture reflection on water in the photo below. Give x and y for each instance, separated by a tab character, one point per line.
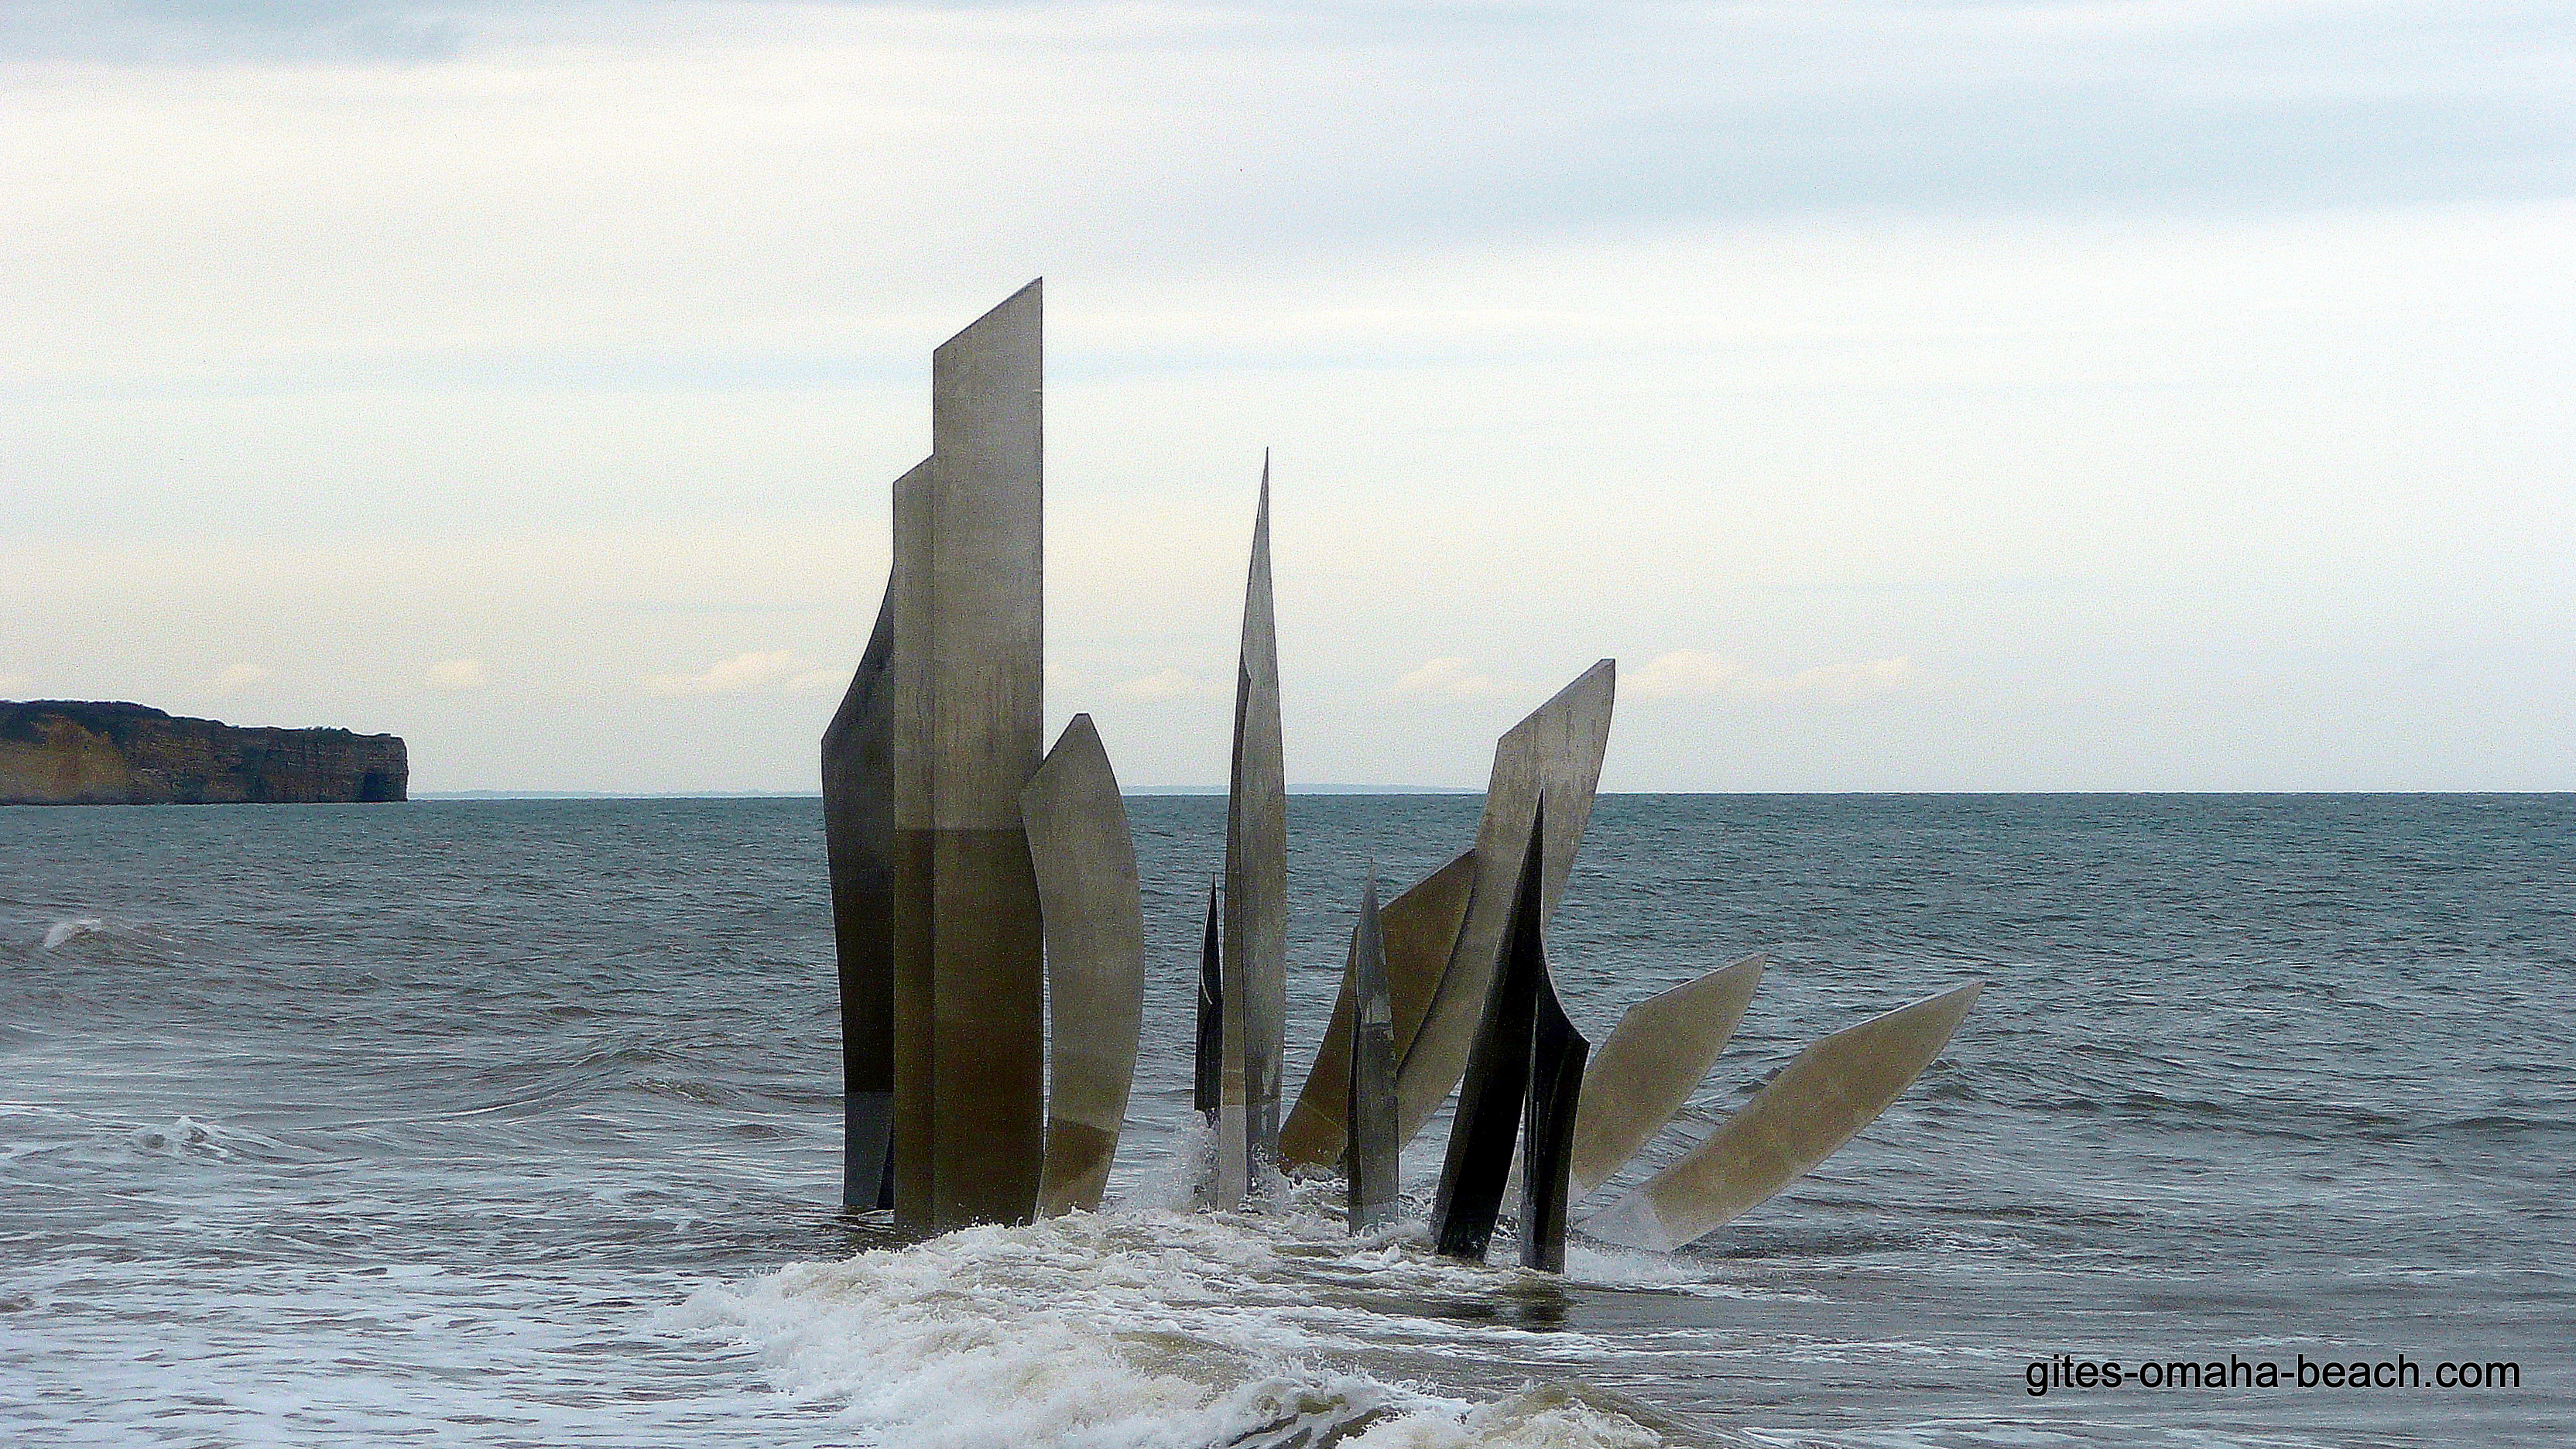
987	916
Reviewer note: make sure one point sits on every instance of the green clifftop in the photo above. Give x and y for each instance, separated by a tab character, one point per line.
75	752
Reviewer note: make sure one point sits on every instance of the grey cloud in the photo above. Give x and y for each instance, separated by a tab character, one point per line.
161	32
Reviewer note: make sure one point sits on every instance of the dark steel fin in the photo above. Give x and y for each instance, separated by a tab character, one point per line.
1208	1085
1557	1053
1490	1098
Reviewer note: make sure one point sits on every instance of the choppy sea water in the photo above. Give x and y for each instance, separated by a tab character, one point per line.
516	1123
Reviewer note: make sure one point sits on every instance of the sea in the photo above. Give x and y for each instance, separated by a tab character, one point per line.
517	1123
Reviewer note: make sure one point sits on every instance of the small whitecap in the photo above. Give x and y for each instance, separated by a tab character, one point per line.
61	932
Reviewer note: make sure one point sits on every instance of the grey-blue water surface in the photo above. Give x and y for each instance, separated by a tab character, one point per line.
463	1122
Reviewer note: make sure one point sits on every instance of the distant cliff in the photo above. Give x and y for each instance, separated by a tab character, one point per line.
71	752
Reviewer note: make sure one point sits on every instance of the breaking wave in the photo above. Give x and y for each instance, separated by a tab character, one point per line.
1154	1329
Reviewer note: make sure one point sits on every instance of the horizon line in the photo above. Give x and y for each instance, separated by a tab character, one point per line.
1180	791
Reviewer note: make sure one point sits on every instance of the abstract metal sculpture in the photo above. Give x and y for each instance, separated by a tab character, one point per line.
1500	1087
1370	1103
1255	1006
1652	1061
968	631
1095	961
1419	929
1828	1092
858	843
1556	749
985	901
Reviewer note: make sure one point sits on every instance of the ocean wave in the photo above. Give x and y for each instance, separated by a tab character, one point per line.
70	949
62	931
66	932
1153	1329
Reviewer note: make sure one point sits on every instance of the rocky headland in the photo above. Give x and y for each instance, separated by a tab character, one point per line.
76	752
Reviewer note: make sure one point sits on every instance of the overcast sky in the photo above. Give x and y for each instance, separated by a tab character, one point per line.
1908	395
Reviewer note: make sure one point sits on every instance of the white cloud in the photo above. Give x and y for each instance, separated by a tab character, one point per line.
1682	672
456	674
15	681
814	679
1696	673
1165	684
1453	677
731	676
240	677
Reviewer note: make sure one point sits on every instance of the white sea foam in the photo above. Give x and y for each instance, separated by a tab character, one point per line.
1172	1181
176	1138
188	1137
1151	1329
1629	1268
1534	1420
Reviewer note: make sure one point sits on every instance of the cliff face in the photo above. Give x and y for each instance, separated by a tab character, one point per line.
69	752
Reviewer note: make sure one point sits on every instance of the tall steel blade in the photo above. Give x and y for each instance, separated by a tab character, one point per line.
968	665
1256	890
1557	748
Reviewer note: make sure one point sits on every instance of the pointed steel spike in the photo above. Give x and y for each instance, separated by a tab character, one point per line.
1557	1052
1419	928
1652	1061
858	844
1370	1107
1481	1136
1094	924
1826	1094
1256	890
1557	747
